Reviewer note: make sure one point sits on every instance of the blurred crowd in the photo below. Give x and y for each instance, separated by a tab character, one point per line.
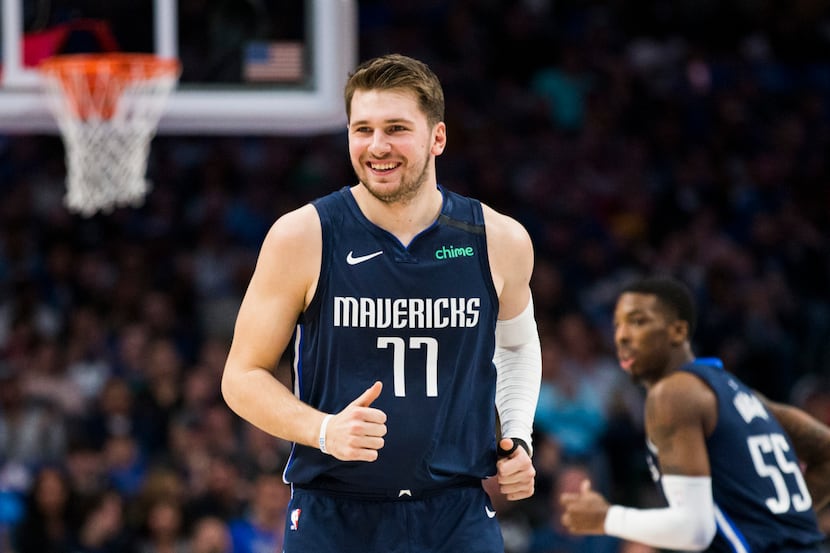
687	138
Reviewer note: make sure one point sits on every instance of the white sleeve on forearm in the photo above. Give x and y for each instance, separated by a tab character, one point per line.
518	361
687	524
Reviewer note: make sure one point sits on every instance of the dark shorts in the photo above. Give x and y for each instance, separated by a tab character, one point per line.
450	521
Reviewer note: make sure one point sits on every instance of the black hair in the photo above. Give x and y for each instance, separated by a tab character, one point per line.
670	292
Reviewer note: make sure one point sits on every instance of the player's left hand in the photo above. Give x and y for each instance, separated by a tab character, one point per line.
516	474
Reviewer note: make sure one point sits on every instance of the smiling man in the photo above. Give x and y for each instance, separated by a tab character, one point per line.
409	315
726	459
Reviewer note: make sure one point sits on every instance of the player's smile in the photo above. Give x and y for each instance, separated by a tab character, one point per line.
383	167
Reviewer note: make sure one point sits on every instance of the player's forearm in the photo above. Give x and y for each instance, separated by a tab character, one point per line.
518	361
256	396
688	524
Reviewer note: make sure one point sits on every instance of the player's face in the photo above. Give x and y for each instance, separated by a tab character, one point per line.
391	145
642	336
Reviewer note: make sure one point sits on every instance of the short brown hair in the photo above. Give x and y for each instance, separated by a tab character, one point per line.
396	71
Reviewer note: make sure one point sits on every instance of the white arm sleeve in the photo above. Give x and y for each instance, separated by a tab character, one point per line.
687	524
518	361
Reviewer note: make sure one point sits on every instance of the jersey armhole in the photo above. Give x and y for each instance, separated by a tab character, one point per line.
484	259
313	307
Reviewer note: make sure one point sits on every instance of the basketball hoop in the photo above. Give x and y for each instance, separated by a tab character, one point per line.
107	107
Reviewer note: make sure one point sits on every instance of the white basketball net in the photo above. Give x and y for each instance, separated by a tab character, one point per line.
107	123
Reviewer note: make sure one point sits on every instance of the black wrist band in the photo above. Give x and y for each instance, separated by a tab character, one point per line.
516	443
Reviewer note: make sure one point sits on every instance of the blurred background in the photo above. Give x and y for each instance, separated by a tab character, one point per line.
688	137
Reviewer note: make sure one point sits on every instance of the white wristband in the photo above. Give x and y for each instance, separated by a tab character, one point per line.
322	440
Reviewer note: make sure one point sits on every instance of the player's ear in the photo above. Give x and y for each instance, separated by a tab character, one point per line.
678	332
439	139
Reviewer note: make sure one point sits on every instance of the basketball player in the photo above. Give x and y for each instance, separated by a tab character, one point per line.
727	459
410	321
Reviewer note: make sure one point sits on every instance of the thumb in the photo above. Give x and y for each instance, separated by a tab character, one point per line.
506	447
585	487
370	395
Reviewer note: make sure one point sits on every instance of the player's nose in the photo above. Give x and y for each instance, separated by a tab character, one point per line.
380	145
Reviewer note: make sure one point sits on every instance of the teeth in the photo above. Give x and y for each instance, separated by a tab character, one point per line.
383	166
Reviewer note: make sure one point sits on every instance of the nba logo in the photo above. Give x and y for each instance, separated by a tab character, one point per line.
295	519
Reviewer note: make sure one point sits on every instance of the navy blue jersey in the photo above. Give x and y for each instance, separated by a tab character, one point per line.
421	319
761	501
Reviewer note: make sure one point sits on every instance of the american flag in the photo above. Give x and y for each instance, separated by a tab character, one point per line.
274	61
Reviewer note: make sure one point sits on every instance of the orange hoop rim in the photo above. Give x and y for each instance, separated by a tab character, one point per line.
123	66
89	86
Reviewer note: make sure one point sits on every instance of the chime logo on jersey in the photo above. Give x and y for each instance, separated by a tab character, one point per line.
451	252
295	519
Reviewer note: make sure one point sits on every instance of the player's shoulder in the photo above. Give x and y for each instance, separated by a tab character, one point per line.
296	227
509	248
504	228
679	394
676	385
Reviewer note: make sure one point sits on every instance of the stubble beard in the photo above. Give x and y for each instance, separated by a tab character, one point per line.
405	193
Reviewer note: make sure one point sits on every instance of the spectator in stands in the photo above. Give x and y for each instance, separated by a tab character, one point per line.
31	433
210	535
49	523
103	526
163	529
262	526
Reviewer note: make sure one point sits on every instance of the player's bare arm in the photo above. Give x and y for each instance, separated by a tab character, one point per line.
680	411
811	440
277	293
281	287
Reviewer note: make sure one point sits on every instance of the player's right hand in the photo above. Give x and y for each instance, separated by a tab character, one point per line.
584	511
356	433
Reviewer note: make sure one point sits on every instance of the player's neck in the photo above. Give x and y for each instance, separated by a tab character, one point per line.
403	219
681	357
677	359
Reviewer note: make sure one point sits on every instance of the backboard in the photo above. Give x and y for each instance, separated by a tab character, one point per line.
248	66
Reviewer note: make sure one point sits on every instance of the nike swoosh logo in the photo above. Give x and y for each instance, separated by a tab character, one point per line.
490	512
352	260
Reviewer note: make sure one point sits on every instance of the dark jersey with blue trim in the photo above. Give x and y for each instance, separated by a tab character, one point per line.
421	319
761	501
